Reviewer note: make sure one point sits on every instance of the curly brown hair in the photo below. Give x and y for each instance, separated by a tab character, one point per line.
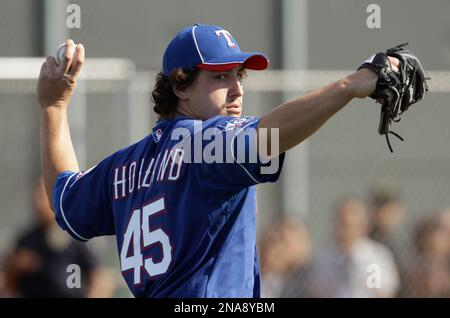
164	97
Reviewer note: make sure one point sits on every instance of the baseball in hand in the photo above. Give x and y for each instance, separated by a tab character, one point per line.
59	54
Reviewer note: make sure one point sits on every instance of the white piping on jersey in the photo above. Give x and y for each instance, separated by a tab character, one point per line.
62	210
82	174
196	45
232	152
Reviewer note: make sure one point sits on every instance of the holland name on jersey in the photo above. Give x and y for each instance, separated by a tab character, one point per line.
166	168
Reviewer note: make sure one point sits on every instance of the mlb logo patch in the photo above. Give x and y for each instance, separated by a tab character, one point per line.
235	123
81	174
157	135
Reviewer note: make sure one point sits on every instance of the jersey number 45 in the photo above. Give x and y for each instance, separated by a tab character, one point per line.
138	237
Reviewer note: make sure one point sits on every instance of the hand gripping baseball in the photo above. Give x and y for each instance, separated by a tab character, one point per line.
57	83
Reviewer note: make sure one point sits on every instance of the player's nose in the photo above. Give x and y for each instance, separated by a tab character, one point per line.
237	88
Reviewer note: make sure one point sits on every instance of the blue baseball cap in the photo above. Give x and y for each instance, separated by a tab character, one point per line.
208	47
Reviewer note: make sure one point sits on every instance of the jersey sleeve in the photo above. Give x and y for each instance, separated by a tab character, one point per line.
81	201
238	165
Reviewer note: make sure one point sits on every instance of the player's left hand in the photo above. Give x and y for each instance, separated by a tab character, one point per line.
56	84
401	82
364	82
395	64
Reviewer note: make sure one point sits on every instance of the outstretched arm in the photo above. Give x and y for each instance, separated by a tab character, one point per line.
299	118
55	87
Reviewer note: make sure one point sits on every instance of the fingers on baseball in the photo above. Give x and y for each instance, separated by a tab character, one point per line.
50	65
77	62
68	56
43	69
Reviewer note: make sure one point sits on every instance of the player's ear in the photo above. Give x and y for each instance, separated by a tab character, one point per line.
182	94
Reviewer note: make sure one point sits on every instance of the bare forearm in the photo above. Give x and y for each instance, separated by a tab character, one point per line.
299	118
57	152
55	87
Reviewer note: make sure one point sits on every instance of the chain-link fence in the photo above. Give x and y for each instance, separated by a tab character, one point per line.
328	253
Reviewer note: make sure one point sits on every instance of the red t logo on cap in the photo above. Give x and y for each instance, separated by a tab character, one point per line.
227	36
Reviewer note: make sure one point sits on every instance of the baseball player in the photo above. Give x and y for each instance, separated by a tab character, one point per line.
184	224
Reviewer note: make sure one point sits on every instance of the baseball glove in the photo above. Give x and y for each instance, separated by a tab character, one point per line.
397	90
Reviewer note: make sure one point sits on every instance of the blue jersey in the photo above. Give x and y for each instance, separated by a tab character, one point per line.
184	228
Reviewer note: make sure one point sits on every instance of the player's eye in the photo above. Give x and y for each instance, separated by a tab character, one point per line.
242	74
221	76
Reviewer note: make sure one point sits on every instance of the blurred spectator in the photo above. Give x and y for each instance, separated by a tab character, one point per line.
445	219
37	267
387	211
345	269
429	274
285	259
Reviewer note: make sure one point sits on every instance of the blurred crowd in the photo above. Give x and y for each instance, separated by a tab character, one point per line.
41	261
366	256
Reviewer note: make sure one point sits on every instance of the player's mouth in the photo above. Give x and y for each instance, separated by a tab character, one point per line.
234	109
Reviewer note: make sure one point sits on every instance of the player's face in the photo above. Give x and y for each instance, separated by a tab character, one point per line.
217	93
